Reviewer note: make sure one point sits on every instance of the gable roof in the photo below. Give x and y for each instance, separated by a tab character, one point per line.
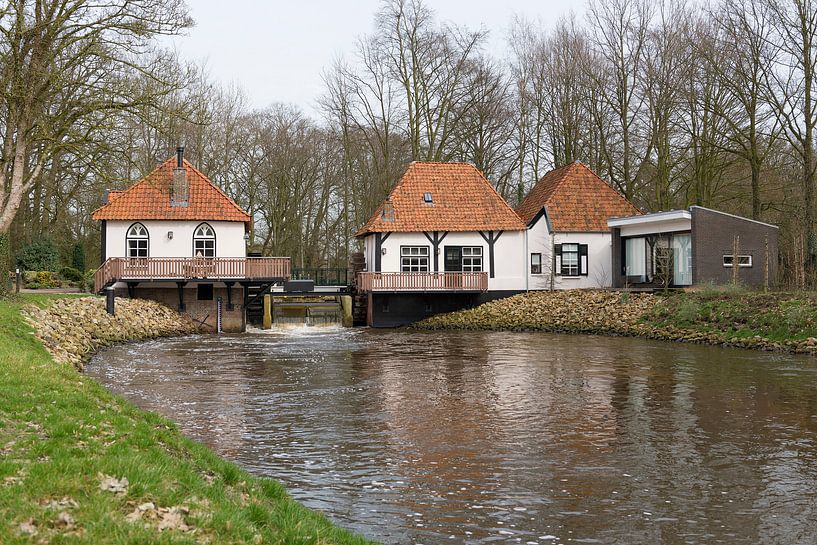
149	199
575	199
462	200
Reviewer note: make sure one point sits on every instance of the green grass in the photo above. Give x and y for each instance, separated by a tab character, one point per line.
777	316
59	430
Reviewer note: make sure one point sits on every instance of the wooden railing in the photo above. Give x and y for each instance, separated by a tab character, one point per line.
449	281
118	269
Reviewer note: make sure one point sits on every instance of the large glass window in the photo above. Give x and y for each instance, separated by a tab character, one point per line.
635	259
137	241
682	260
414	259
204	241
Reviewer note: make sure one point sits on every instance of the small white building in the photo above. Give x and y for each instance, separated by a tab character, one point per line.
444	239
176	237
569	244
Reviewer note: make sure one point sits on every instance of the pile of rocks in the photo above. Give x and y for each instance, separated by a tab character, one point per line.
71	329
598	312
573	311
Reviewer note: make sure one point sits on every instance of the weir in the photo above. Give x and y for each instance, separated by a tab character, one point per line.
302	310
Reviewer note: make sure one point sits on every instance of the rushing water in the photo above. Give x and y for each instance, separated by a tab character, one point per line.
411	437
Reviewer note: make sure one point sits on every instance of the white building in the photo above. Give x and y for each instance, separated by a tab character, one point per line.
443	239
569	243
175	237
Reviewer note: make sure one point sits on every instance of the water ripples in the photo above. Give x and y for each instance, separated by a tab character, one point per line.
412	437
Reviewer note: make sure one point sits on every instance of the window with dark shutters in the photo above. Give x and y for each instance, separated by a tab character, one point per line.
571	259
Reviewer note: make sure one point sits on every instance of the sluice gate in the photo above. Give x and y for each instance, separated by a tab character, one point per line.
278	310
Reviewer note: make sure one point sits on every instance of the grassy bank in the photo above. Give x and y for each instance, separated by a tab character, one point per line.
79	465
723	316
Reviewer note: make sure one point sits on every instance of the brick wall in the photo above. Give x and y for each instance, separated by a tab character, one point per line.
713	235
203	311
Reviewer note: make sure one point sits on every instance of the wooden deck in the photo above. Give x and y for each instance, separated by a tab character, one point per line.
422	282
123	269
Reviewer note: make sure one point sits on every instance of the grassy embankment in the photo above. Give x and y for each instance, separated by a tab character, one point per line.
712	315
67	446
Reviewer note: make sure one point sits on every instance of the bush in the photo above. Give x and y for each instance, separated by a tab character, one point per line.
71	274
87	283
36	280
39	256
5	261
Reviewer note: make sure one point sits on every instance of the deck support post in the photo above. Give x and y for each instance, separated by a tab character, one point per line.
132	289
180	286
230	285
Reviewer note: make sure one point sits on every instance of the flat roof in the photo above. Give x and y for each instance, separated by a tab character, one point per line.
655	217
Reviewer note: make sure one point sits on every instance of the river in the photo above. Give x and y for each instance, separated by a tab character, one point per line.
462	437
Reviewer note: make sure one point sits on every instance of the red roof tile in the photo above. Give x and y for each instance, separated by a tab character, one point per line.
149	199
462	200
576	200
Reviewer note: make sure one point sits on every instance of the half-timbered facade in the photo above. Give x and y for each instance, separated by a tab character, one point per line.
443	239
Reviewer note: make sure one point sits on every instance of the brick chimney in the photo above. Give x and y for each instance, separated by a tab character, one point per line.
180	192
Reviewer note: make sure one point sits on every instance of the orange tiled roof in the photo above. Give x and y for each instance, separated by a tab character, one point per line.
576	200
149	199
463	200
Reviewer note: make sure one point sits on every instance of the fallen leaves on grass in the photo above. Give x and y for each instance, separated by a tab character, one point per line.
112	484
28	528
162	518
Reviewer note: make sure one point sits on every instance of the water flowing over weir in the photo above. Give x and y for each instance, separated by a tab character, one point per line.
479	438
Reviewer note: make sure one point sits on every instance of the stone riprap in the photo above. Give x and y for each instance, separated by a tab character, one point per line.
72	329
601	313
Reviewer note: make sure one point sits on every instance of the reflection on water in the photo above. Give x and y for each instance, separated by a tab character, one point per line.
412	437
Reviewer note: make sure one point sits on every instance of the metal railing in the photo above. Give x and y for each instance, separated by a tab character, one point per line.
447	281
322	276
118	269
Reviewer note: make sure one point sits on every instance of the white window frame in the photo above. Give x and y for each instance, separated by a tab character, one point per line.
532	270
471	259
414	259
140	239
568	269
744	261
202	238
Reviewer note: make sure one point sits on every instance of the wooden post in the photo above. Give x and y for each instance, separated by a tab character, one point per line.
267	311
218	316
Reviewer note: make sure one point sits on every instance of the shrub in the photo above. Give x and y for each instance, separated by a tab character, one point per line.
37	280
78	257
71	274
87	283
39	256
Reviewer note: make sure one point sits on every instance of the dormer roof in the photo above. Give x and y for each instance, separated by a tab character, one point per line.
150	199
575	199
442	197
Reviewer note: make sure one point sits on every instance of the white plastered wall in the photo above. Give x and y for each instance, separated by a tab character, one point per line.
509	255
229	238
599	258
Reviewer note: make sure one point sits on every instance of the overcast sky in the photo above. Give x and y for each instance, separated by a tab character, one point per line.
276	50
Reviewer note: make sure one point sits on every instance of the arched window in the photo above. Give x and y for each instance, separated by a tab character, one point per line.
137	241
204	241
